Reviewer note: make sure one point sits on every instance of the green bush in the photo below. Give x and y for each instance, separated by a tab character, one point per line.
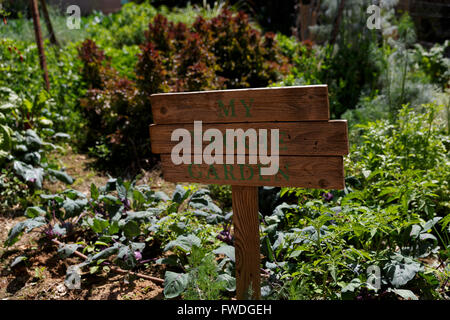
25	132
124	28
222	193
393	212
20	71
435	64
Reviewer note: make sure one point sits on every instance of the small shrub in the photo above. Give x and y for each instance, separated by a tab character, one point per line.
94	64
221	193
203	277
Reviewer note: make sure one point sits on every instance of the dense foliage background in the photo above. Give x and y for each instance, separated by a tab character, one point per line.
393	215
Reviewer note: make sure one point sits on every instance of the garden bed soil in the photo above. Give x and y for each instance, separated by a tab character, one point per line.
41	276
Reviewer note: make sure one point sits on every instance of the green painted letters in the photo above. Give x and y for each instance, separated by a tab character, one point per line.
191	173
225	110
241	167
247	107
225	171
212	170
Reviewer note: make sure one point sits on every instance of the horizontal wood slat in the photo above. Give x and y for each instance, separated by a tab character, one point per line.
299	171
296	138
300	103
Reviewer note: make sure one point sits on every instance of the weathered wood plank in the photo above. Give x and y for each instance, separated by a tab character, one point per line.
246	242
298	171
300	103
296	138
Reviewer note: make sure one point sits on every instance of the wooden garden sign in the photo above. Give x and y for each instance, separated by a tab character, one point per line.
222	137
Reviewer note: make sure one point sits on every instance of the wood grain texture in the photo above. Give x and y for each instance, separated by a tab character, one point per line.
300	103
324	138
246	242
294	171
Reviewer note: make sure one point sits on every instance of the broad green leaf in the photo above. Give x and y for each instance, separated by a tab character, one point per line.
352	286
32	140
227	251
29	173
143	215
33	212
202	201
27	225
59	230
282	209
121	190
131	229
94	192
74	194
109	199
430	224
61	135
5	138
18	260
200	213
66	250
174	284
405	294
400	270
74	207
427	236
230	282
126	258
99	224
45	122
415	231
161	196
138	197
180	194
104	254
73	276
114	227
184	243
171	260
33	158
61	176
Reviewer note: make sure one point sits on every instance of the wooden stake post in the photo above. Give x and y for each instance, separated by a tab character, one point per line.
311	150
48	22
39	42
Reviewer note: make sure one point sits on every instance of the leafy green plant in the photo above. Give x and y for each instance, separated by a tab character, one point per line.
388	215
434	63
22	151
124	223
222	193
204	281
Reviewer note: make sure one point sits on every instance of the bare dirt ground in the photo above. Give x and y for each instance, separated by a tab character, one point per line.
41	276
